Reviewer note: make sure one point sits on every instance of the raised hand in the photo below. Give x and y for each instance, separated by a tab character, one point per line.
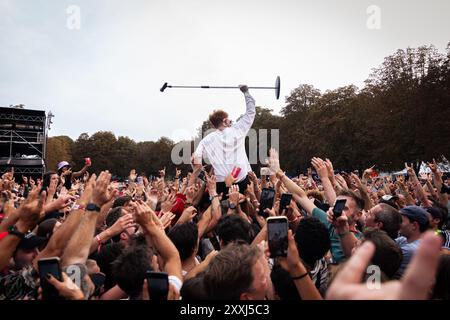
368	172
101	194
233	194
32	210
341	181
273	161
340	224
211	184
167	205
410	170
188	214
330	168
177	173
85	197
252	177
356	181
162	173
243	88
66	288
124	222
433	166
320	167
229	180
190	194
166	219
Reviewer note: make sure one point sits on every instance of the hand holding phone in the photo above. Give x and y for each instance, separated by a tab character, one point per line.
338	208
285	201
266	201
158	285
277	233
49	266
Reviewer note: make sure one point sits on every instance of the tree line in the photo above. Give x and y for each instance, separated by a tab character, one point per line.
401	114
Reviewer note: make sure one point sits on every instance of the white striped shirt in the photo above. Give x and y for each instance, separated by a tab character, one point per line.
225	149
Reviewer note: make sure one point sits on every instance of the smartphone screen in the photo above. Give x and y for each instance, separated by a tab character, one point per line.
158	285
338	207
49	266
277	231
266	201
265	171
285	201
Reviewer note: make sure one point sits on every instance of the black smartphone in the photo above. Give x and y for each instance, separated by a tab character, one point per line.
158	285
338	207
202	176
277	232
98	279
266	201
49	266
285	201
322	206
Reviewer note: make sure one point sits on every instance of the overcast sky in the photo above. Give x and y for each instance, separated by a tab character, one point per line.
106	75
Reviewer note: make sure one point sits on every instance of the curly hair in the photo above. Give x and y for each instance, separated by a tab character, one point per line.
217	117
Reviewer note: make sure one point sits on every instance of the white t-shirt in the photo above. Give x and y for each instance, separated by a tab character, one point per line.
225	149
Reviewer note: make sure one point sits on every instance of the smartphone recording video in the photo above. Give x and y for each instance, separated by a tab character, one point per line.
277	231
49	266
158	285
285	201
266	201
338	208
265	171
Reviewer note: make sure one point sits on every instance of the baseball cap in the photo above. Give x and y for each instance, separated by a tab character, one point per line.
390	200
416	213
31	241
63	164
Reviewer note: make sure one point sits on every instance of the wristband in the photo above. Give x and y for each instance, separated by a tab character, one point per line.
300	277
13	231
176	282
78	207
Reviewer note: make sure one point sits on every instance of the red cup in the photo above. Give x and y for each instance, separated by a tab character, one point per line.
87	161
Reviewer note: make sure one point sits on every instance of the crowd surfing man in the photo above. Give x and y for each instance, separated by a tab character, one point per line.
119	238
224	148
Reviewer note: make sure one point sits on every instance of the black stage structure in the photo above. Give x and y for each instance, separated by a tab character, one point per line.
23	141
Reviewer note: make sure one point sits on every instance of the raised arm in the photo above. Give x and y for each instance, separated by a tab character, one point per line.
245	122
159	240
302	198
29	214
438	183
418	187
321	169
78	248
82	171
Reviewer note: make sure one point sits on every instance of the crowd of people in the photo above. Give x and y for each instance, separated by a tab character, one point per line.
211	241
206	234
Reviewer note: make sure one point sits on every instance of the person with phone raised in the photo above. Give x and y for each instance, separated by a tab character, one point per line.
341	223
225	147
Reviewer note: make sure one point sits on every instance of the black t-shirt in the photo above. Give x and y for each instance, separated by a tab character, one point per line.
68	181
